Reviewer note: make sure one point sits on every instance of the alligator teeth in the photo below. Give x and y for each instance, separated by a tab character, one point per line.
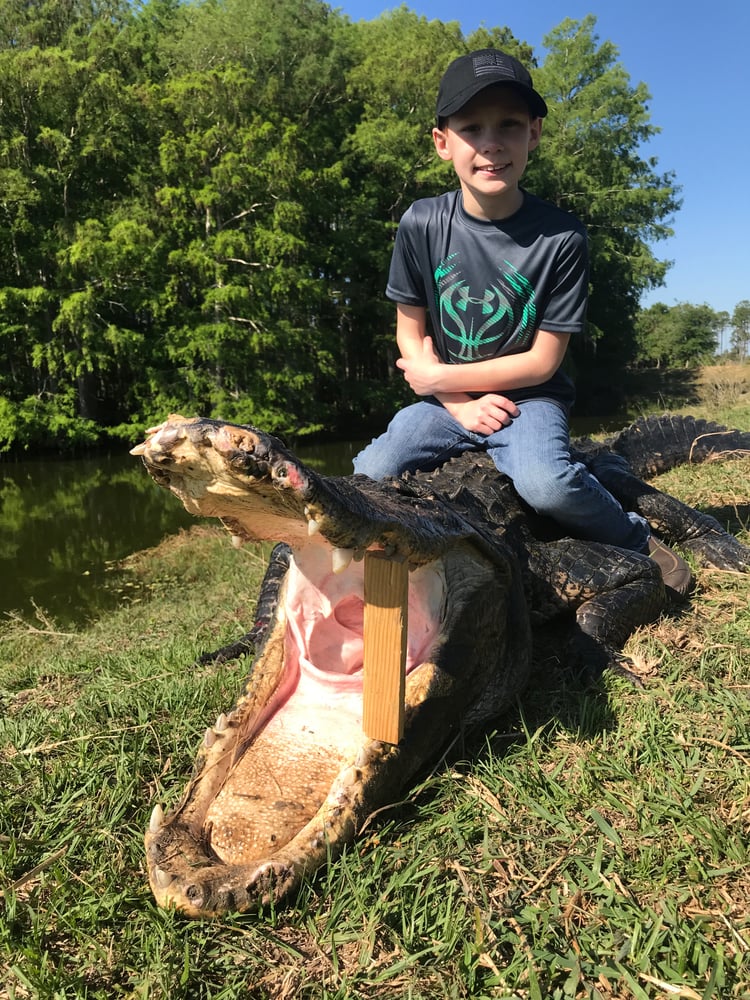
351	776
341	559
163	879
313	526
157	819
221	723
209	739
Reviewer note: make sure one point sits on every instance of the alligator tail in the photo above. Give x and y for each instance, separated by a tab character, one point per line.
653	445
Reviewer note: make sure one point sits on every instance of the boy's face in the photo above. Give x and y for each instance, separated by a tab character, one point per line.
488	142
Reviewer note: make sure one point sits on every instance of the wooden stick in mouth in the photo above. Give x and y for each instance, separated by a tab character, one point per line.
385	631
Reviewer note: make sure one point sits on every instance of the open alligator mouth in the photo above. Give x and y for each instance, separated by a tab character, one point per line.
286	778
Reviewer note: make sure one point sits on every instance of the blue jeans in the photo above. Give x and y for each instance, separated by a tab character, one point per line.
534	451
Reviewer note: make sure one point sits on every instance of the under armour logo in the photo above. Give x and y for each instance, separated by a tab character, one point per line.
464	300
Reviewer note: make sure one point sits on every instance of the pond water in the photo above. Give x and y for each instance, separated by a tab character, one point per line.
66	524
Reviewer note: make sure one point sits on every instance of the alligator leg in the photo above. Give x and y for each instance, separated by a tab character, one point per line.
611	591
265	609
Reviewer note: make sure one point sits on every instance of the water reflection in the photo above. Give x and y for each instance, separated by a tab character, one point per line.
63	524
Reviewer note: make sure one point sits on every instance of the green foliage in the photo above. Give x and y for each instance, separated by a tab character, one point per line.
678	335
591	164
198	199
740	323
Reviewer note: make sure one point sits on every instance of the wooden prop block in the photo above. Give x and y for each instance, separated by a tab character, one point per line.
385	628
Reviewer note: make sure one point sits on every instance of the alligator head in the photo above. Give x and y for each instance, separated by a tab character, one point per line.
286	778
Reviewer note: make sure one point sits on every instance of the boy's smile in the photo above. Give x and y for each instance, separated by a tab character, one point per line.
488	141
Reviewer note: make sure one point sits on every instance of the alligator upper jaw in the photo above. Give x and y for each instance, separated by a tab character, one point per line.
261	491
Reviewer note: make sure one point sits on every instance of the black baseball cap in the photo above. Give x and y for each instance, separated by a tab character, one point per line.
469	74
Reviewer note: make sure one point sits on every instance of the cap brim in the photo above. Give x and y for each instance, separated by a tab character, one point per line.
537	105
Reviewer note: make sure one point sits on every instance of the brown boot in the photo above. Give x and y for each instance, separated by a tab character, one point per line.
674	570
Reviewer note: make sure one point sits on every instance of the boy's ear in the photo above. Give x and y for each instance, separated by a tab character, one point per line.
441	143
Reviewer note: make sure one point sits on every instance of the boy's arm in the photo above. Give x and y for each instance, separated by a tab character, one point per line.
428	376
484	415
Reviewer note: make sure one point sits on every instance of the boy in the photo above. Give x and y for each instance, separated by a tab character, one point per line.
504	278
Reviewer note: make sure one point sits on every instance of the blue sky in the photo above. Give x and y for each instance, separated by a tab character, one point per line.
693	58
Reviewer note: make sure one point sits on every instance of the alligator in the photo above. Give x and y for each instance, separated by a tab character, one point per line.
286	779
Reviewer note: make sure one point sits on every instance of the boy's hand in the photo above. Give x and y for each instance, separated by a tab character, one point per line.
485	415
423	371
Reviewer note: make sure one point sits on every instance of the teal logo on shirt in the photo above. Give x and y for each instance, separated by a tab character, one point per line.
479	324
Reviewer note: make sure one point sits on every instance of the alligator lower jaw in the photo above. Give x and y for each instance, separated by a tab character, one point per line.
272	794
287	778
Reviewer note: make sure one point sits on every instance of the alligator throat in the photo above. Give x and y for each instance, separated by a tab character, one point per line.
282	773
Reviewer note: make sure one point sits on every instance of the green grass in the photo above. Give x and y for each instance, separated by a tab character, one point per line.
594	843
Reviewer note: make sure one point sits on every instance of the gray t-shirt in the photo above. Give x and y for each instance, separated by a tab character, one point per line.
490	285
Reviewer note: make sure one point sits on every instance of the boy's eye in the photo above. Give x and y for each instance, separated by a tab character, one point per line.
503	126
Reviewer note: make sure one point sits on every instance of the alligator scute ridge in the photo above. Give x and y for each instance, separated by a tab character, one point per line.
471	546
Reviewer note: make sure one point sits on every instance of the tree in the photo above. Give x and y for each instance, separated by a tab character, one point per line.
66	141
247	194
388	161
680	335
740	323
198	201
166	240
590	163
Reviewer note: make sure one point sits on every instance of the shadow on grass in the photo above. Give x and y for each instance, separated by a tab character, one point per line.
556	698
630	393
732	517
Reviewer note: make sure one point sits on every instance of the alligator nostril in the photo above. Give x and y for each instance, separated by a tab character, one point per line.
226	899
194	893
